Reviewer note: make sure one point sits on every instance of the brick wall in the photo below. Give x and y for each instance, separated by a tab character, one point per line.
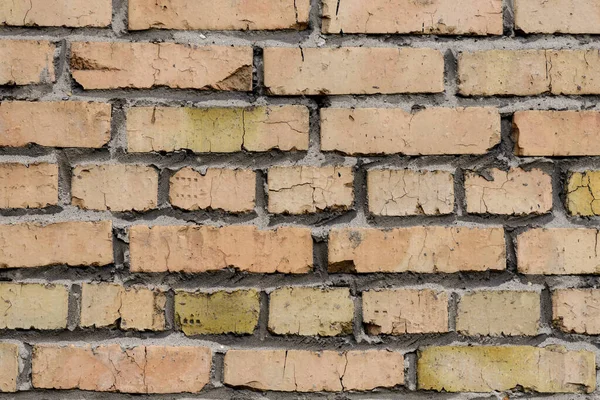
285	199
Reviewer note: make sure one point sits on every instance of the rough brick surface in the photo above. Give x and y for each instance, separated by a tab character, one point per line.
33	306
417	249
577	310
198	249
28	186
25	62
308	371
9	367
400	311
105	65
487	368
583	193
432	131
557	16
311	311
217	130
352	70
77	13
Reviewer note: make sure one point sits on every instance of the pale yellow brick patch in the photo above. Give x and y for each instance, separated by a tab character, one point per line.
33	306
583	193
9	367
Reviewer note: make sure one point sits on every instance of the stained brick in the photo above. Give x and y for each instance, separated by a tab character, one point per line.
25	62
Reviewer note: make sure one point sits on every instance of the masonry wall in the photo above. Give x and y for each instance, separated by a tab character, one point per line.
283	199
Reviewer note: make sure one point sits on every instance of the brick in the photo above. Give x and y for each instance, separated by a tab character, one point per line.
231	190
443	17
106	65
432	131
400	311
499	313
558	251
311	311
217	130
217	313
9	367
28	186
577	310
303	190
134	308
115	187
422	249
70	243
26	62
557	16
310	371
54	123
194	249
211	15
34	306
407	192
499	368
512	192
112	368
352	70
583	188
79	13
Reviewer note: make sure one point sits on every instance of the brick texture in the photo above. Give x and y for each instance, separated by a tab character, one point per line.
80	13
28	186
34	306
577	310
9	367
557	16
582	190
26	62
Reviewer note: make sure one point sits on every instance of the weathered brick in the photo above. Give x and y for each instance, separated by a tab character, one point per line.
232	190
54	124
218	15
499	313
400	311
70	243
432	131
111	65
442	17
217	130
78	13
34	306
423	249
352	70
112	368
28	186
556	251
115	187
557	16
303	189
9	367
407	192
217	313
577	310
309	371
498	368
512	192
135	308
25	62
311	311
583	193
195	249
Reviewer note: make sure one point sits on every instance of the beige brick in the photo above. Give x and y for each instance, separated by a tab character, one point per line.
499	313
422	249
557	16
577	310
583	193
217	313
303	190
352	70
442	17
217	130
134	308
54	123
574	72
218	15
112	368
26	62
311	311
232	190
512	192
9	367
115	187
556	133
500	368
28	186
400	311
77	13
309	371
432	131
111	65
70	243
558	251
195	249
406	192
33	306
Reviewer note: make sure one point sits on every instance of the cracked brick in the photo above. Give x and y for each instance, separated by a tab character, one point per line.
26	62
28	186
78	13
583	193
576	310
33	306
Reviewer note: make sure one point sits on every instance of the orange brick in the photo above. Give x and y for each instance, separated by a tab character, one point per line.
26	62
557	16
9	367
577	310
78	13
28	186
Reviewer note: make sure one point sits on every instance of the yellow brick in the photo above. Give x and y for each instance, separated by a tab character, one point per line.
583	193
34	306
9	367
